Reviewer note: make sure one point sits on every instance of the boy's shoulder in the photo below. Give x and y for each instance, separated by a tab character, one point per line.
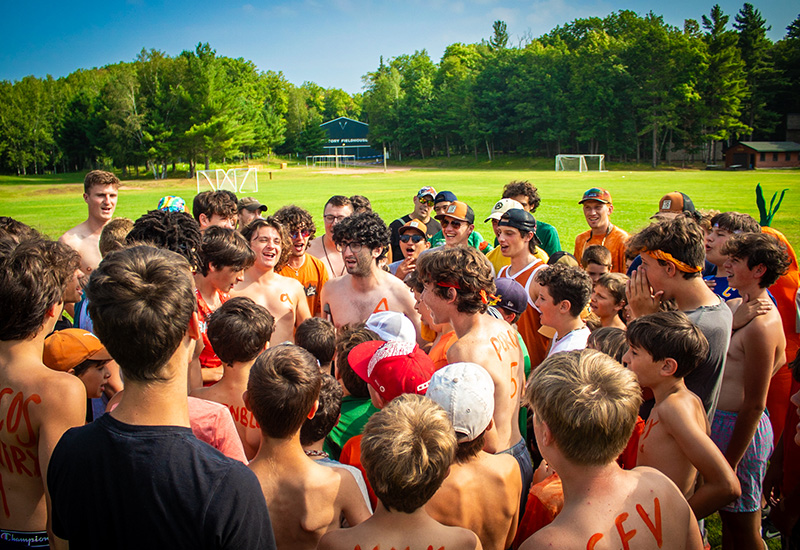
384	532
680	407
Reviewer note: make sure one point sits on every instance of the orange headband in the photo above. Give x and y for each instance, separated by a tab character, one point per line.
667	257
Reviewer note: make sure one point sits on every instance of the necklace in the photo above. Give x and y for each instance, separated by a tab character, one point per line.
314	452
325	250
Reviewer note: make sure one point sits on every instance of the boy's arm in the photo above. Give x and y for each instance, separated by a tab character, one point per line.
352	501
720	485
758	356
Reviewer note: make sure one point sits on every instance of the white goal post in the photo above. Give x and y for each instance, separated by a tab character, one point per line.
330	161
580	163
236	178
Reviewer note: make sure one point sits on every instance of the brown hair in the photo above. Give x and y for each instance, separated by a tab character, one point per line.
735	222
462	268
225	247
141	300
295	218
317	336
568	283
252	228
33	276
589	402
112	237
610	340
680	237
284	383
517	188
239	329
407	449
669	334
221	203
759	249
330	407
99	177
596	254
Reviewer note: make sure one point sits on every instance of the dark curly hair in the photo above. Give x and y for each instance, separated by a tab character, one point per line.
462	268
736	222
16	229
270	221
360	204
681	237
366	228
225	247
759	249
175	231
295	218
566	282
517	188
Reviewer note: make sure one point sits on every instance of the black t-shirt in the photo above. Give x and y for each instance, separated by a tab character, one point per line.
432	226
115	485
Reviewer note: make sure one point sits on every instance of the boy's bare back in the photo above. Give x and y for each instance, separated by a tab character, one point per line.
639	509
493	344
463	499
307	500
37	405
415	531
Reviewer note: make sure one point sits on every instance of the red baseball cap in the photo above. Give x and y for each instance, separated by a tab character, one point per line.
392	368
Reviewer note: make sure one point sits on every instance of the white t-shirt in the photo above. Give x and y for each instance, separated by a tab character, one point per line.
575	339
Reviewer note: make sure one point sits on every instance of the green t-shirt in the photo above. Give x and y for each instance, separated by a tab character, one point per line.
355	413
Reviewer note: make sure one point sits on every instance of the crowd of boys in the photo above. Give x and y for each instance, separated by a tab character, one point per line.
228	379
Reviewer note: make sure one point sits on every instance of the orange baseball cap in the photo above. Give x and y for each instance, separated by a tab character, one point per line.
68	348
414	224
458	211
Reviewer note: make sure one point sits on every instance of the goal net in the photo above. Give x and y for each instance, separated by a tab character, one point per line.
330	161
236	179
580	163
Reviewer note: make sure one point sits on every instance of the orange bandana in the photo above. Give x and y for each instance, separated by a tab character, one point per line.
667	257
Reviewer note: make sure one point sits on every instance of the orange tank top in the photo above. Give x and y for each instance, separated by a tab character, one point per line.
529	322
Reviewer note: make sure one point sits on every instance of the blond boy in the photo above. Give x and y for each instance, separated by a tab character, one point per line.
466	392
584	409
407	450
306	500
238	331
665	347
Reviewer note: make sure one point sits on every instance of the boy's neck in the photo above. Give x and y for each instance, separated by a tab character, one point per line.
30	350
236	374
296	262
754	291
205	288
603	229
568	324
693	293
464	322
287	451
581	482
669	385
521	261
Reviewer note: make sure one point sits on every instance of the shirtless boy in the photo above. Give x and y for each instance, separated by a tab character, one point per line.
664	347
37	404
363	240
305	499
407	450
466	392
584	409
741	429
336	209
458	282
239	330
100	190
283	297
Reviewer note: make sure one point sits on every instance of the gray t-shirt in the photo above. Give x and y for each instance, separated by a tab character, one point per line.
716	324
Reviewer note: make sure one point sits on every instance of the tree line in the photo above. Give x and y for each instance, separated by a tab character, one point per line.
626	85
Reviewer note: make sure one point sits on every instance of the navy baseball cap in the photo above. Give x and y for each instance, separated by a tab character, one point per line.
445	196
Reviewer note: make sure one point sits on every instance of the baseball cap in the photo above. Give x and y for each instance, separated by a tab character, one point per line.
500	208
414	224
392	325
171	203
674	203
68	348
392	368
511	294
562	257
458	211
466	392
251	204
427	191
519	219
445	196
596	194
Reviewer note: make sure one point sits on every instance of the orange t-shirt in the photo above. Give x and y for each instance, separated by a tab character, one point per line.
208	358
351	455
614	241
438	352
313	276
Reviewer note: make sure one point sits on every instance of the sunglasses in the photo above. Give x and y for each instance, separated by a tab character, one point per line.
297	234
426	202
455	224
405	237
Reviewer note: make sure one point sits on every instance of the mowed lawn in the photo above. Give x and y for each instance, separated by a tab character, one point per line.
54	203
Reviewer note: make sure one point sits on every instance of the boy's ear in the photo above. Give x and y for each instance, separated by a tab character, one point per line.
55	309
193	330
668	367
314	408
759	270
246	399
564	306
203	220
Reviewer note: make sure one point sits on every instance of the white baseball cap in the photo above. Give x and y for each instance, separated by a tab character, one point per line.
466	392
392	325
500	208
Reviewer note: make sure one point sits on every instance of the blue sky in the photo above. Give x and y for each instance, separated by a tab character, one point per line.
333	43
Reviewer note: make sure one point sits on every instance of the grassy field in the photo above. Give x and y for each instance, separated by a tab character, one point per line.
53	203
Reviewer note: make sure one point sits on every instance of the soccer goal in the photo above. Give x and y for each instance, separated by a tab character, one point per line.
330	161
235	178
580	163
